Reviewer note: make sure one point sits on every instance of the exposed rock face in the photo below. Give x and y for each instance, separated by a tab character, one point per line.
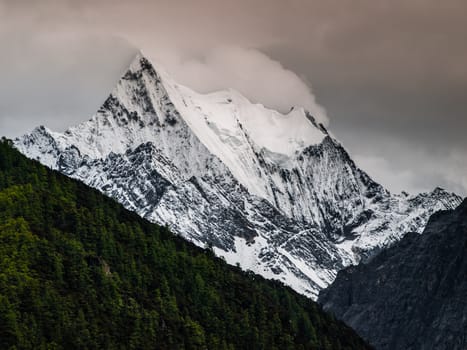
273	192
412	295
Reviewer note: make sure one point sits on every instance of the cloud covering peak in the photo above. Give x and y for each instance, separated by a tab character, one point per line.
254	74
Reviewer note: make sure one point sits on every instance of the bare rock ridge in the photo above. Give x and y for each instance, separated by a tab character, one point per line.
275	193
413	295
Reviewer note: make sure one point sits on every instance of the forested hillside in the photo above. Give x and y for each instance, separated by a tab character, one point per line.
78	271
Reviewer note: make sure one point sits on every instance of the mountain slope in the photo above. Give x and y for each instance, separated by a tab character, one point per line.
274	193
78	271
414	294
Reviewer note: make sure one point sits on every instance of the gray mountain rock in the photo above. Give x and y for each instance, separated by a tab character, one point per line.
412	295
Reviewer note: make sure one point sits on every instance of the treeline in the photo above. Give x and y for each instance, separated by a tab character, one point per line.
78	271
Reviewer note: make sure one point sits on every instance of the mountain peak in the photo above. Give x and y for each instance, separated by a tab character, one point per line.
229	109
274	192
137	60
439	190
140	64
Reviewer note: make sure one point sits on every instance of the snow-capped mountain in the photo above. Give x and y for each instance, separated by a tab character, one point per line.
275	193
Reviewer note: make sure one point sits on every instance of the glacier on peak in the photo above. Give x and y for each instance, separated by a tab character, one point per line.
273	192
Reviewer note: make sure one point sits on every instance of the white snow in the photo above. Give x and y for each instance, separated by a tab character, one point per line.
246	256
233	129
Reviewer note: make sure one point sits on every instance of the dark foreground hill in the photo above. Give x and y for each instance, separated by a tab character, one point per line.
413	295
78	271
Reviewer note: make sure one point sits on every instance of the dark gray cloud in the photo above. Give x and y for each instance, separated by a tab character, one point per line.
57	86
394	81
391	75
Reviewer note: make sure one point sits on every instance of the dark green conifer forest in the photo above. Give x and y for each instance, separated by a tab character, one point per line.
78	271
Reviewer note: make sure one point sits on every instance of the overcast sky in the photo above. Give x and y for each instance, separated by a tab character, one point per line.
389	77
